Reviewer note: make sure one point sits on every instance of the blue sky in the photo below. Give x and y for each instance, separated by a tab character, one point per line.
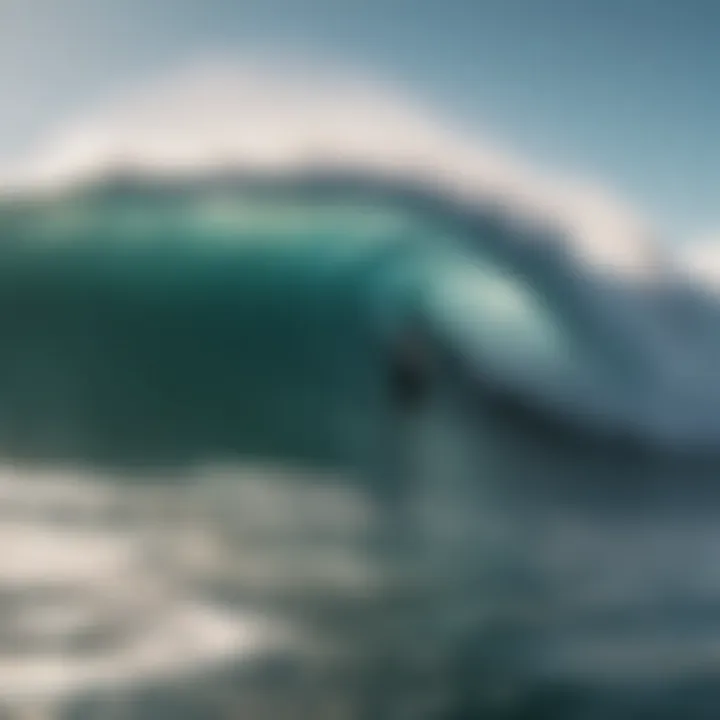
625	91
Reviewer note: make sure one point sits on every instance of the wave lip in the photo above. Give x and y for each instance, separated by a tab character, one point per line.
282	115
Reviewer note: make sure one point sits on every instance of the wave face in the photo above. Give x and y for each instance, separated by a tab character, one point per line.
144	293
176	326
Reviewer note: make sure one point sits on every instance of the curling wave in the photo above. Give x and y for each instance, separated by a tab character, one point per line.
545	289
522	315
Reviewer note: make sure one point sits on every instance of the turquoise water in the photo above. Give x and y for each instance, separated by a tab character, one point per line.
166	339
220	503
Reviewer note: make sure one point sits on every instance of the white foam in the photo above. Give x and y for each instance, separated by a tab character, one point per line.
282	116
701	259
74	573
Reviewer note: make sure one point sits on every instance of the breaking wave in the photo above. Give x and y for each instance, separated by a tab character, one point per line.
563	296
227	265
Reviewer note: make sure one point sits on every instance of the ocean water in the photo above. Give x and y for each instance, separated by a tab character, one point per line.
337	449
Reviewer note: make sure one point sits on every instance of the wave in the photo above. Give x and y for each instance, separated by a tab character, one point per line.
252	265
546	288
166	316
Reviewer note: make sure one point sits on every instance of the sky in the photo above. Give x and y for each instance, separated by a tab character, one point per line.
620	91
